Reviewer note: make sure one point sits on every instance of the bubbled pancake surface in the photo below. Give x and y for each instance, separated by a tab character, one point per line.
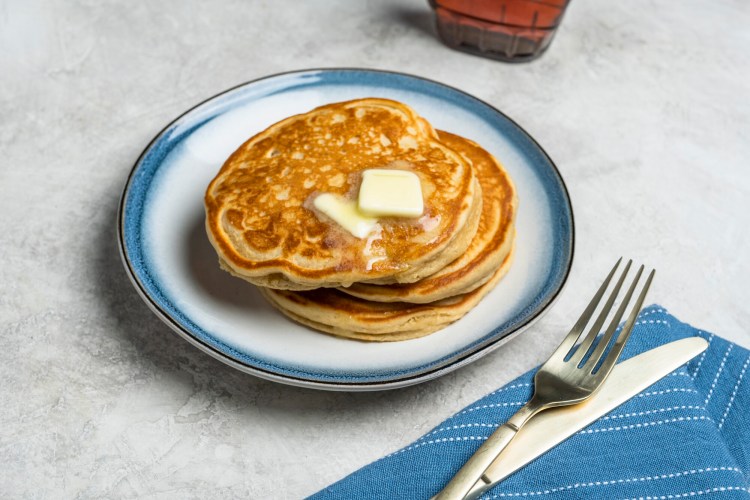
259	213
491	244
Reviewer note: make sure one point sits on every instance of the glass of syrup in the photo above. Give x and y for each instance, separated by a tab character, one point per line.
508	30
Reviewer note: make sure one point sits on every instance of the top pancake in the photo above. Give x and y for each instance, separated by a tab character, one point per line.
260	217
489	247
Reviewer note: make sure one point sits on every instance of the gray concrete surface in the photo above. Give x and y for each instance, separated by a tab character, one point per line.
643	106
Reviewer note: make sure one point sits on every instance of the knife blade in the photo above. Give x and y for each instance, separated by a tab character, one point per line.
549	428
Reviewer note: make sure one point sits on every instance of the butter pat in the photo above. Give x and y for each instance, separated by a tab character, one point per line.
385	193
345	214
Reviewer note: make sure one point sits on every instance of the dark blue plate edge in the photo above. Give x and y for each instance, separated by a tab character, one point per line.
435	368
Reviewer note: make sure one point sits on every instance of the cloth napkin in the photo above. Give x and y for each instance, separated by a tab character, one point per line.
688	435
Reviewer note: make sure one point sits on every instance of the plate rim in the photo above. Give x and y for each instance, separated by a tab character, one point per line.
480	350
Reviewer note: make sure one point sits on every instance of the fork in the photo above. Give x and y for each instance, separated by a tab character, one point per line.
568	377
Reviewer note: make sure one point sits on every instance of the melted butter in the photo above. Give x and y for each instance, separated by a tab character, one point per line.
428	223
371	253
390	193
345	214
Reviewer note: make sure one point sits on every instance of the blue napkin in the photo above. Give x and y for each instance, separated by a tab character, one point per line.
686	436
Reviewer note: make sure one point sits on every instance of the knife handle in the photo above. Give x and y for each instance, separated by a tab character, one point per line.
473	471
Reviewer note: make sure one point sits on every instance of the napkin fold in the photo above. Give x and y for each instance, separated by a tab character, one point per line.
688	435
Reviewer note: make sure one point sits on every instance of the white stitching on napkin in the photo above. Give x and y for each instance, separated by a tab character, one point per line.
649	412
644	424
609	417
515	386
619	481
653	311
492	405
653	322
692	493
665	391
734	392
456	427
498	391
437	441
718	374
503	389
703	356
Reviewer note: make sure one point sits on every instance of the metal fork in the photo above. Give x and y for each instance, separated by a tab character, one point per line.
568	377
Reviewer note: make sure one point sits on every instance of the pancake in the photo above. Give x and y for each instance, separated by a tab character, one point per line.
486	252
260	217
330	310
461	241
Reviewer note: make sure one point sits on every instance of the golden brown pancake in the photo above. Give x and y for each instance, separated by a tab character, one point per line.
330	310
259	213
487	251
462	240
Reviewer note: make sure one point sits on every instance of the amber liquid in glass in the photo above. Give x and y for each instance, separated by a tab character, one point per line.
509	30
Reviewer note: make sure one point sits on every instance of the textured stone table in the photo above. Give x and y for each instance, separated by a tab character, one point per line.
644	110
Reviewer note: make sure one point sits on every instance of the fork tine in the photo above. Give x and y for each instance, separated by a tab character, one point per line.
612	328
570	340
614	353
596	327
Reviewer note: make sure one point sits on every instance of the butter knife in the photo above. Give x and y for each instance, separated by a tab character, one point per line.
550	428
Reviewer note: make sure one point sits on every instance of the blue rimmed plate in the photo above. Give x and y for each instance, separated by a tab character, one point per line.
174	268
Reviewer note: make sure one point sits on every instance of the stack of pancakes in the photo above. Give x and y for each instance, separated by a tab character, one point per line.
408	277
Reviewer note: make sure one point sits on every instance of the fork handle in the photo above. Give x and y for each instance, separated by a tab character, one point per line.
473	471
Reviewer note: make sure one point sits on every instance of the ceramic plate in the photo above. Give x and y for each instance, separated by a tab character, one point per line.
174	268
